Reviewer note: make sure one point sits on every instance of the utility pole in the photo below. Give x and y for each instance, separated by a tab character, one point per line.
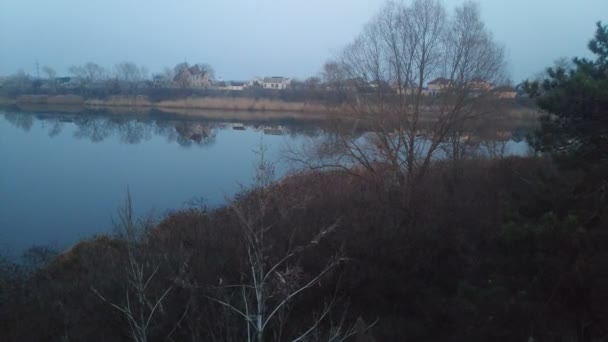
37	70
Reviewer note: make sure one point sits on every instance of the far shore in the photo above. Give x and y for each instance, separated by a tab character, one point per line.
183	106
236	108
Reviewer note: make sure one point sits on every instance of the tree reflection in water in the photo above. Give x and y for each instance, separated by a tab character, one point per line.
130	129
97	128
24	122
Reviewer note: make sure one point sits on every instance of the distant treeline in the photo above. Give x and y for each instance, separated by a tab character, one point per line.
93	81
156	94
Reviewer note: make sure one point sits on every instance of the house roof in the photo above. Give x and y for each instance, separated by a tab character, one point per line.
440	81
189	72
275	79
237	84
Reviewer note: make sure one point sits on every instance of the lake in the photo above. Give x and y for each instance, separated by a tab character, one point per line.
63	175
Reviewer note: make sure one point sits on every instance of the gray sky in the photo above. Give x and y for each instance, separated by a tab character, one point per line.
245	38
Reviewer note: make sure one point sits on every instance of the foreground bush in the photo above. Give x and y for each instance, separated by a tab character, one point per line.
501	250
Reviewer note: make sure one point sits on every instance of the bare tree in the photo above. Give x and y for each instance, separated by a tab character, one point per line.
312	83
181	74
495	148
88	73
142	304
51	76
273	282
208	69
168	73
334	76
129	72
179	67
164	78
20	80
398	53
129	75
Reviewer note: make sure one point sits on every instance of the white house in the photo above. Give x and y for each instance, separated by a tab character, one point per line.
480	84
410	88
441	84
438	85
276	82
255	82
236	86
505	92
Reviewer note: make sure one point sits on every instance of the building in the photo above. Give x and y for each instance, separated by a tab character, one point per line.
437	85
231	85
236	86
380	86
276	82
480	84
477	85
505	92
255	82
192	77
410	88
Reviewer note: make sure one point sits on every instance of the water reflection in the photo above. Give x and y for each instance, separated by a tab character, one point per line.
188	131
24	122
63	175
132	129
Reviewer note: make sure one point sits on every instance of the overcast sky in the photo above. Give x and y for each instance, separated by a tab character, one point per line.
245	38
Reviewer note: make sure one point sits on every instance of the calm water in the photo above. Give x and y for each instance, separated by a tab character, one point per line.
62	176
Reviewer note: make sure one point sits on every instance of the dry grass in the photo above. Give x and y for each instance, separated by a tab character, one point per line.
241	104
68	100
231	108
188	105
120	101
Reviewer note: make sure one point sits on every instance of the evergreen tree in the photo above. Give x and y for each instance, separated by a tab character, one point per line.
576	102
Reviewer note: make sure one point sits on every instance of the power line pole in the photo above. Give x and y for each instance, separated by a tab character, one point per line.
37	70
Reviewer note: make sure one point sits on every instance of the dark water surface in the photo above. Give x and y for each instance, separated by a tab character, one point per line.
63	176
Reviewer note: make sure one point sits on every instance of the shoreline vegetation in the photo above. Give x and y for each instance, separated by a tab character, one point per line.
140	101
479	234
229	108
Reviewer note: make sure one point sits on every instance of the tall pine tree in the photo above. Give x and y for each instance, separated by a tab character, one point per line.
576	102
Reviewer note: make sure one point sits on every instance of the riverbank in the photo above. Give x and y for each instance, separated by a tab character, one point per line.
471	241
189	103
240	108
